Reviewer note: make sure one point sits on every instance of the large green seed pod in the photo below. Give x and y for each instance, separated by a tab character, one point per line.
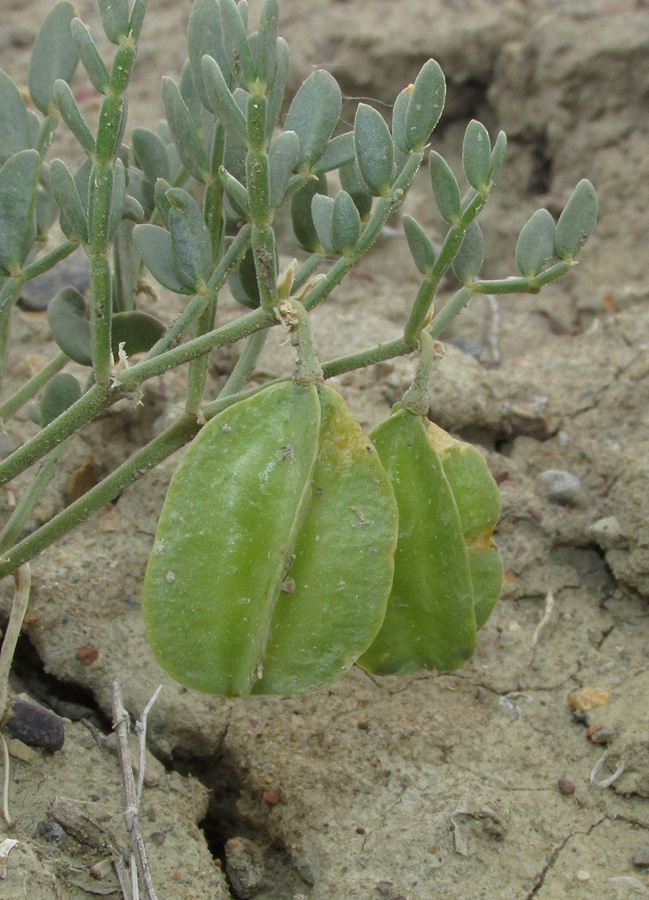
273	558
478	501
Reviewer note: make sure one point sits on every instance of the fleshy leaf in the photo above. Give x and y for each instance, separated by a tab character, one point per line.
345	224
313	115
61	392
67	316
183	129
282	159
497	155
426	105
18	182
205	38
54	55
235	44
190	239
137	331
72	215
535	245
476	155
14	123
221	101
338	152
71	115
89	55
351	182
399	112
301	215
278	86
445	188
322	211
114	17
243	283
154	244
150	154
420	247
267	41
468	261
374	152
577	220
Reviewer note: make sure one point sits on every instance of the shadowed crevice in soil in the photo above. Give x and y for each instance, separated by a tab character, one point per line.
72	701
234	813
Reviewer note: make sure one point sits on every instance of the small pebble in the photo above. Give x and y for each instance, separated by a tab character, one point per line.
602	736
563	488
588	698
566	786
583	875
50	831
244	866
608	533
641	858
35	726
73	271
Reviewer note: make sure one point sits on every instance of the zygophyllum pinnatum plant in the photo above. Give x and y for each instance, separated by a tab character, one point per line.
291	544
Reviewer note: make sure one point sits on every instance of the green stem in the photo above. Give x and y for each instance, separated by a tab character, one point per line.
100	319
197	374
429	286
80	413
296	320
112	486
516	285
49	260
306	270
31	387
245	364
31	497
455	305
378	353
5	336
416	398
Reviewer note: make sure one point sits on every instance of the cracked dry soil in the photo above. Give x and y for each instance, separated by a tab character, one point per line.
483	783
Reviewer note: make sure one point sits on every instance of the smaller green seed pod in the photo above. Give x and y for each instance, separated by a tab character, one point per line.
478	501
430	620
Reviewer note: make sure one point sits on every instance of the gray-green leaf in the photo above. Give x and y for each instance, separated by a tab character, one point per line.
426	105
313	115
186	138
221	102
67	316
339	150
535	245
468	261
497	155
74	223
282	160
345	224
150	154
374	152
205	38
154	244
420	246
577	220
71	115
445	188
61	392
54	55
190	239
18	182
114	17
301	215
351	182
137	331
14	123
322	208
89	55
235	44
476	155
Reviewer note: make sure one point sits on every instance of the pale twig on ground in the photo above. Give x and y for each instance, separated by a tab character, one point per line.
138	862
22	578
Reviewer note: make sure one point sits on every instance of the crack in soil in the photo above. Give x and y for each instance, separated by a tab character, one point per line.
554	856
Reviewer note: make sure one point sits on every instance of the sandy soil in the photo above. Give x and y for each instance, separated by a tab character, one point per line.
478	784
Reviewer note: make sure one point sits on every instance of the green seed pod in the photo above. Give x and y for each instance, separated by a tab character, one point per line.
430	620
273	557
478	502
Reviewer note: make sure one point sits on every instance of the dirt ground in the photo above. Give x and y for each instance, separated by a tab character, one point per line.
482	783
